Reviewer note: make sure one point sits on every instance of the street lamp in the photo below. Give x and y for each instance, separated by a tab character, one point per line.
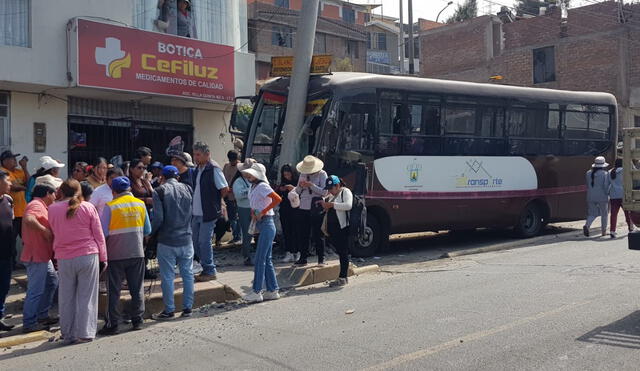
445	7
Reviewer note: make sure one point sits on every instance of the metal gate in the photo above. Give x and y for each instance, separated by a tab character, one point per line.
106	129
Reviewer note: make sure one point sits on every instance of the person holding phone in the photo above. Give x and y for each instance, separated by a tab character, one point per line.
80	248
19	177
311	190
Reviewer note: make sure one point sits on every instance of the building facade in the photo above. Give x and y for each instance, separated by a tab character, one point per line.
83	79
340	32
596	49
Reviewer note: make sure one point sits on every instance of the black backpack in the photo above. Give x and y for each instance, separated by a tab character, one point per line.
357	217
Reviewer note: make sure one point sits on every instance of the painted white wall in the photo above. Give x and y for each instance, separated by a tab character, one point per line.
25	110
44	63
211	127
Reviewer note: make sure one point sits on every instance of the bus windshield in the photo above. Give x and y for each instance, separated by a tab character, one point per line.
265	132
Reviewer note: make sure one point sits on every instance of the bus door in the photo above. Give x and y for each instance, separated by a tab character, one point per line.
349	140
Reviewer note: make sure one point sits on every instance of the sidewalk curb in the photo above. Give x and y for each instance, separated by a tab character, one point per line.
559	237
15	340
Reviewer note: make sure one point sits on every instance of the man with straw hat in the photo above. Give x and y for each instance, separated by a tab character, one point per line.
598	183
311	190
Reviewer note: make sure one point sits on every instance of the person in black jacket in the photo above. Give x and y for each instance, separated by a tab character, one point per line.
288	219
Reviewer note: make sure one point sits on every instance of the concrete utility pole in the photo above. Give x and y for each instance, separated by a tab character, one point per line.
401	40
297	99
411	50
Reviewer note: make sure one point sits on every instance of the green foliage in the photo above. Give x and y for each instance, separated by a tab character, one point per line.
464	11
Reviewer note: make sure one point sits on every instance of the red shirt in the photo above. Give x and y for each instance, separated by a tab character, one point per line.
36	248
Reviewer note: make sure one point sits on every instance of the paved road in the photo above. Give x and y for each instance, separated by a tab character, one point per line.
567	305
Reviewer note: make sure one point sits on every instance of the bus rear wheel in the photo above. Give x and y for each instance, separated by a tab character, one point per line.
531	221
371	240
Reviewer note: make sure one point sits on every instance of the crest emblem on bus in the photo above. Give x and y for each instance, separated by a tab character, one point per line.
414	170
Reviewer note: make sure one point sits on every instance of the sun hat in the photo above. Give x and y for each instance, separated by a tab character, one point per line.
8	154
246	164
258	171
49	180
310	165
599	162
120	184
184	157
170	171
331	182
49	163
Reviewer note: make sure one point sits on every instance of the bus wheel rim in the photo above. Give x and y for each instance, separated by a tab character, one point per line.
366	239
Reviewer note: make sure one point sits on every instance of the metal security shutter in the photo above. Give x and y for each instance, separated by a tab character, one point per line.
128	110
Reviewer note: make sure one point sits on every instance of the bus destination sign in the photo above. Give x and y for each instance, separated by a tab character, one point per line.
283	66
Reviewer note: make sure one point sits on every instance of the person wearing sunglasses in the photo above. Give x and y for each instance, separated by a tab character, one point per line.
79	172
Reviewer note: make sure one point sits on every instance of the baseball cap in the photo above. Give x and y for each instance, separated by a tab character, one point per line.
156	165
331	182
8	154
170	171
120	184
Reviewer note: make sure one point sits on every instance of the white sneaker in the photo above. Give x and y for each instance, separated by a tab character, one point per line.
271	295
614	234
296	257
288	258
197	268
253	297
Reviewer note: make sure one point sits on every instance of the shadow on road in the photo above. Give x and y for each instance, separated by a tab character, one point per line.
623	333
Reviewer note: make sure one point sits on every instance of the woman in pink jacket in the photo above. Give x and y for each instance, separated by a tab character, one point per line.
80	249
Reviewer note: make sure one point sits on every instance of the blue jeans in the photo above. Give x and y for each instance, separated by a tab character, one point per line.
202	234
41	288
169	257
244	221
5	281
264	272
232	212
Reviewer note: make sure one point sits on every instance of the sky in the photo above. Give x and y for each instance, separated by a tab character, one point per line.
429	9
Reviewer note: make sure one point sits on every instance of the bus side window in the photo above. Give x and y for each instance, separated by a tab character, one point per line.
356	127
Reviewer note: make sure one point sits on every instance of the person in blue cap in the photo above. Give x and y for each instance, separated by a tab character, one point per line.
172	205
337	206
125	223
156	171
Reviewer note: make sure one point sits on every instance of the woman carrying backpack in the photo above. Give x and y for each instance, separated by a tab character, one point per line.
337	207
616	192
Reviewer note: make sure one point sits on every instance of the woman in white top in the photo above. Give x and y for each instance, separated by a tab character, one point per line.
262	200
616	192
337	207
597	180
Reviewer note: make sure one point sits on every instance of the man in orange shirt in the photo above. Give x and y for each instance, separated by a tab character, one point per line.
19	178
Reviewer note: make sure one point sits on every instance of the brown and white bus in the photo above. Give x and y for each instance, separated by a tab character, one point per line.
444	155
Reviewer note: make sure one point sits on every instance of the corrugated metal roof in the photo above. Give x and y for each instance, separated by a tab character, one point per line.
129	110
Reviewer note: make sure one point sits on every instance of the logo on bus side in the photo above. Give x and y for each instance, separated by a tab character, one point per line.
414	170
476	175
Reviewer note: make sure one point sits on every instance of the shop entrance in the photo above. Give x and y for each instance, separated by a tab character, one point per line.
106	129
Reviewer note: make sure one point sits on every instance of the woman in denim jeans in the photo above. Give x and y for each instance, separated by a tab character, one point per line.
241	188
262	200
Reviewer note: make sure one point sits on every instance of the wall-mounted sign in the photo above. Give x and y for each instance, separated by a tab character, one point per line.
129	59
283	66
39	137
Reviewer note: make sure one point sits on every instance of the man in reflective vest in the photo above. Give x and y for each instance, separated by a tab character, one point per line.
125	222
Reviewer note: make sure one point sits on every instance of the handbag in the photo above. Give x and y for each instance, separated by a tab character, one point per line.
253	227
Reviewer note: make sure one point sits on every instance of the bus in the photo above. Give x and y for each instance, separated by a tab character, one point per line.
438	155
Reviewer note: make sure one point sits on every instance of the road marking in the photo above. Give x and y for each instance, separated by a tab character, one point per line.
397	361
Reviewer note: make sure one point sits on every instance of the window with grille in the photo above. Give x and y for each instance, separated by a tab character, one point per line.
5	124
282	36
15	23
544	65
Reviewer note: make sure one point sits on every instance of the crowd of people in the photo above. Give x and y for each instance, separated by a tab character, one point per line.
109	218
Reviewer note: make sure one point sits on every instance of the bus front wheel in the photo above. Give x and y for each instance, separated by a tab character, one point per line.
531	221
371	240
